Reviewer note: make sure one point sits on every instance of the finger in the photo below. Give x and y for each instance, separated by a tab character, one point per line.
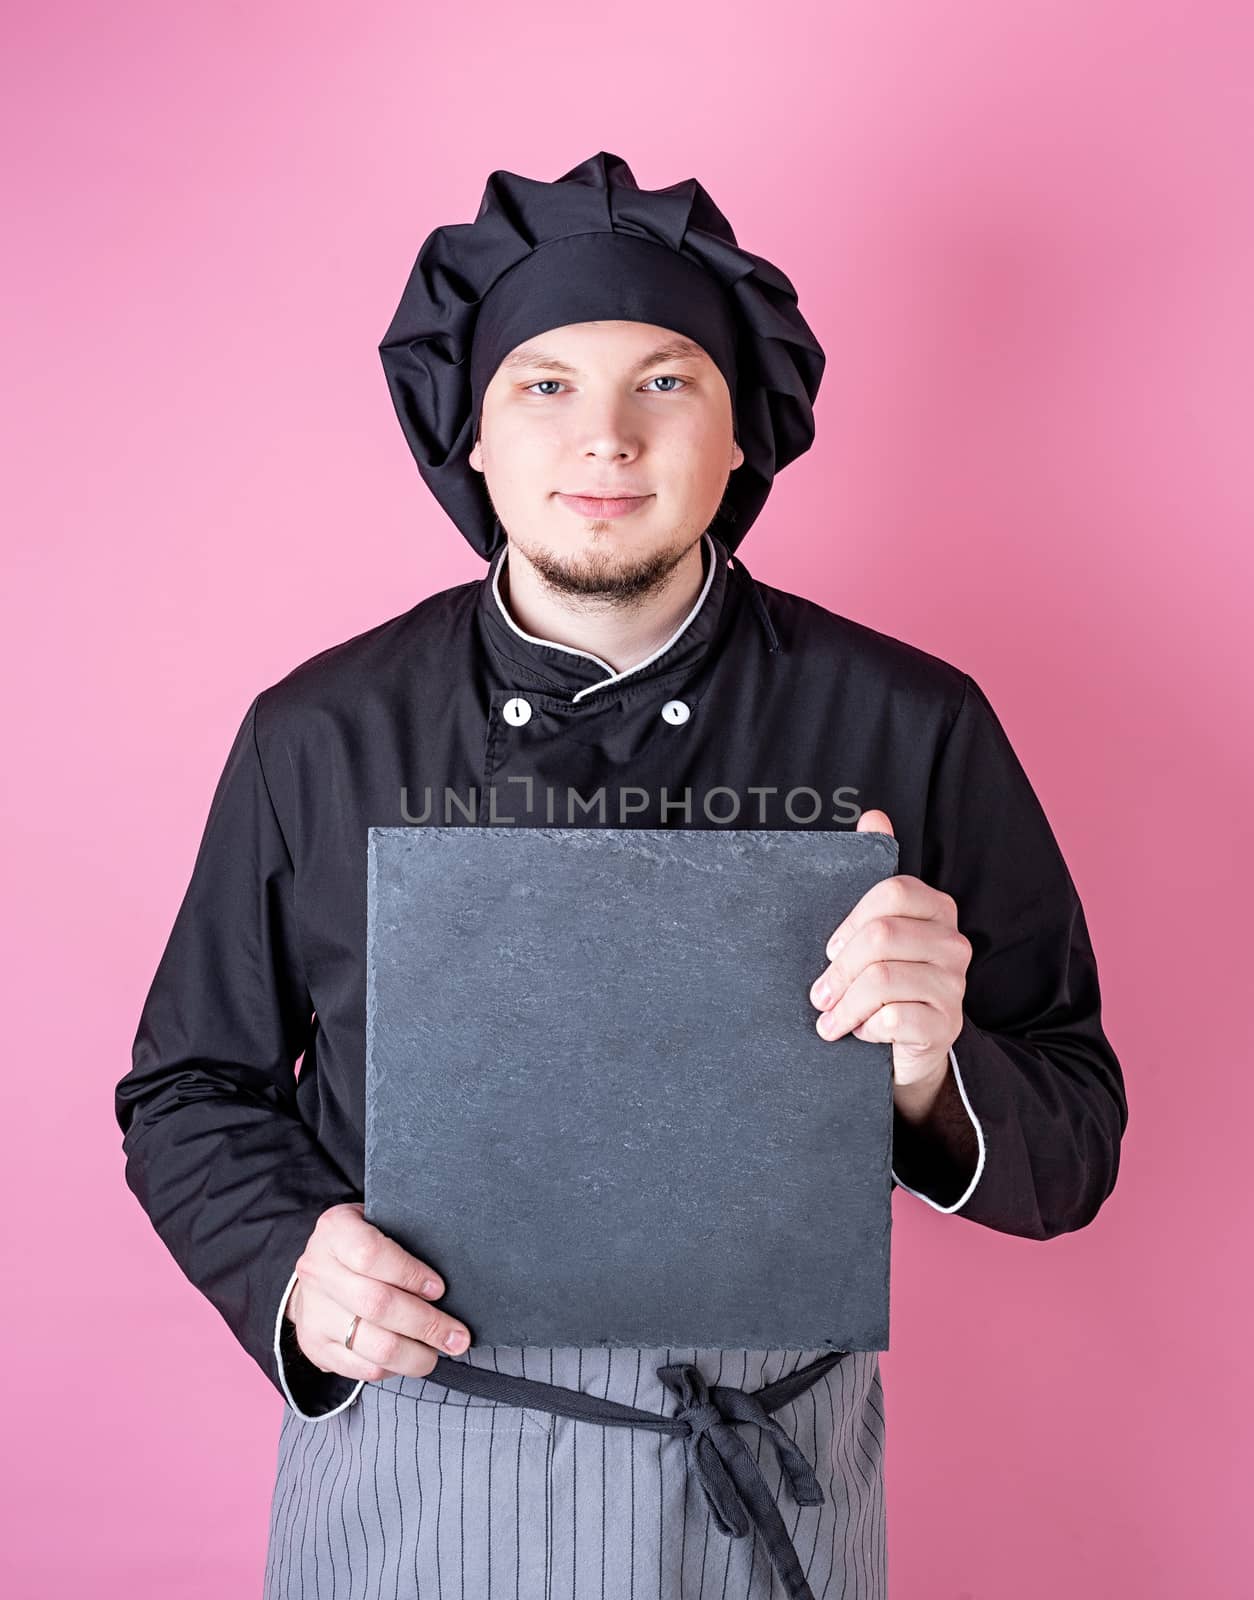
321	1328
875	822
890	939
910	1023
394	1353
885	983
898	896
332	1356
375	1351
388	1310
368	1251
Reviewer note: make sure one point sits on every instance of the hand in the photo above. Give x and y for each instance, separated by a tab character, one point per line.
897	974
350	1266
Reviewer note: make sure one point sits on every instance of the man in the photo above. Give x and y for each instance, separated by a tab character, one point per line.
598	384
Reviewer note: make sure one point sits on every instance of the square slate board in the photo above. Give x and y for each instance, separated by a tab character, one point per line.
596	1101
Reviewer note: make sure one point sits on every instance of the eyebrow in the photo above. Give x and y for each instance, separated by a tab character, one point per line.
677	350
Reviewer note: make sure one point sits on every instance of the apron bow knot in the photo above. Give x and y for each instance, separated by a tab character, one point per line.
727	1471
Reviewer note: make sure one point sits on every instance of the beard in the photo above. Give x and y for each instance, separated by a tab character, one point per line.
610	572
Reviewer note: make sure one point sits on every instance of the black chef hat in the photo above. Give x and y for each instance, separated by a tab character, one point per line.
594	246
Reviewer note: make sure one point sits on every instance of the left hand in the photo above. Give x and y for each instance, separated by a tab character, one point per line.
898	973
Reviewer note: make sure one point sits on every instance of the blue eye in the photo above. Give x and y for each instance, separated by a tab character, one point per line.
668	377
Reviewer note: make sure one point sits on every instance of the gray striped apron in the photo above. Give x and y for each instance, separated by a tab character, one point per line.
421	1489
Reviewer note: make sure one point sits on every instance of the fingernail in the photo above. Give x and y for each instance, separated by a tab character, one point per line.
455	1339
431	1287
823	994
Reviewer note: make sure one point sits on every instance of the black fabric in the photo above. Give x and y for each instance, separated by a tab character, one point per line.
706	1418
588	277
427	349
234	1157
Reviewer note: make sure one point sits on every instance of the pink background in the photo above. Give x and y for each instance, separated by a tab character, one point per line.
1023	233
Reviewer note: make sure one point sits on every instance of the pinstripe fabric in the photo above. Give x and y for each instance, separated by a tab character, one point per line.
417	1491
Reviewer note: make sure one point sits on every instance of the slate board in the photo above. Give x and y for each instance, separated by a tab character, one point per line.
596	1101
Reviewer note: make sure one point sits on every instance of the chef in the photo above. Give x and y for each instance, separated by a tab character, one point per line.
598	385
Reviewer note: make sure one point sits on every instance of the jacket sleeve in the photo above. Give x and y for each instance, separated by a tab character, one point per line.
215	1149
1037	1075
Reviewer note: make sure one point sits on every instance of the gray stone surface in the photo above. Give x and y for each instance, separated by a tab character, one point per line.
596	1099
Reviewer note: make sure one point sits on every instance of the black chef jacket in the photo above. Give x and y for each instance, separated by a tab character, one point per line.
763	709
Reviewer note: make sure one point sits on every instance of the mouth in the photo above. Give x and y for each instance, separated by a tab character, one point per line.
599	507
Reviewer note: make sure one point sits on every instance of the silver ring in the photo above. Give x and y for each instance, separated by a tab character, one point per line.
352	1329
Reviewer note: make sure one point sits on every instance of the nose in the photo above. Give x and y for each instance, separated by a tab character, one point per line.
608	431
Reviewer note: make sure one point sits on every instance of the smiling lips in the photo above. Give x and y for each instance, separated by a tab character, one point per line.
599	508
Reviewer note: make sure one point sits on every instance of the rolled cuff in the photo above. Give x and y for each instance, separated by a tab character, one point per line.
323	1391
979	1165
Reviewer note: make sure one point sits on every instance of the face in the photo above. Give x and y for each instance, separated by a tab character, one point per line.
605	409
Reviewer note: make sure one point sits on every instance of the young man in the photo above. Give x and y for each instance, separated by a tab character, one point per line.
598	384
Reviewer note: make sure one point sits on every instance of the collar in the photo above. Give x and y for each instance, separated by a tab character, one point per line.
563	670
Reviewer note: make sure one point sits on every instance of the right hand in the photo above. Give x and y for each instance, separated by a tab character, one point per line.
349	1265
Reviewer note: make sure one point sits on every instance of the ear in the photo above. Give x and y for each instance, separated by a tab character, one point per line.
476	457
738	456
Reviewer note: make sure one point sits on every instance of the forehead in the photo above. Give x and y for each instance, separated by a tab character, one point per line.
632	345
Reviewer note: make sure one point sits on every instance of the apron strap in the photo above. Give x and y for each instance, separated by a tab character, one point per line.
706	1420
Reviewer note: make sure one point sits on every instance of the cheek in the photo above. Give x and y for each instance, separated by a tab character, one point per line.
706	461
529	443
519	456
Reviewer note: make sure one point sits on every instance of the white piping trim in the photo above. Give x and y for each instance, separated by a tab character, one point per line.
979	1166
614	677
320	1416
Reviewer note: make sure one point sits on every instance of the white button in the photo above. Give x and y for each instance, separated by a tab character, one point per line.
675	711
516	711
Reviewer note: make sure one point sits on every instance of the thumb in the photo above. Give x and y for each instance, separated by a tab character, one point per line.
875	822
